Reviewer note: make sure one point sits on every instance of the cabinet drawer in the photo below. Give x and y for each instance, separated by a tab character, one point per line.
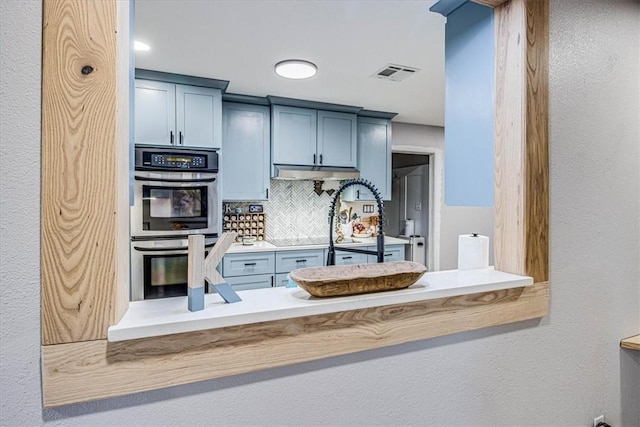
246	283
287	261
348	258
282	279
391	253
248	264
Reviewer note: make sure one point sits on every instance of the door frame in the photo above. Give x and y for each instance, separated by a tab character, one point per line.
436	197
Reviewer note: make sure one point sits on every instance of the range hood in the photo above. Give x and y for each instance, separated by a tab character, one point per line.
314	173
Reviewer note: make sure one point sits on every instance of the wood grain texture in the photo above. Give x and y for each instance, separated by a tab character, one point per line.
98	369
195	261
509	244
490	3
340	280
80	214
215	256
631	343
521	207
537	140
125	62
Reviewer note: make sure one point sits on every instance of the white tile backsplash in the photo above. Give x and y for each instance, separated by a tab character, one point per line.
293	210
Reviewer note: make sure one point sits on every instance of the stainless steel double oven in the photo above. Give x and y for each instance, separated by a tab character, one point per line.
175	194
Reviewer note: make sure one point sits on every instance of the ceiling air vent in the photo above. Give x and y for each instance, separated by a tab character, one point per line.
395	72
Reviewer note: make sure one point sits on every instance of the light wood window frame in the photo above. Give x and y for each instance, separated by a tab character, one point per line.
84	223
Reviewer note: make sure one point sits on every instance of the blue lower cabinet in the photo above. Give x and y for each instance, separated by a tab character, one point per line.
391	253
244	283
248	264
282	279
287	261
348	258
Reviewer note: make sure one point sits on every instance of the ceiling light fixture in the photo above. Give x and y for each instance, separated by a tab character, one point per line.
296	69
140	47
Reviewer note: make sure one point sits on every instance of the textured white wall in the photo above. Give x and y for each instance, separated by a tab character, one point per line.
561	371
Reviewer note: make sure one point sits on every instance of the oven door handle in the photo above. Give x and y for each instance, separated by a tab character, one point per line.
139	178
168	249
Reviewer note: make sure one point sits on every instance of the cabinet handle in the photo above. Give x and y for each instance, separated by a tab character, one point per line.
357	194
388	254
171	136
272	284
267	192
180	133
249	264
314	159
301	260
320	158
347	257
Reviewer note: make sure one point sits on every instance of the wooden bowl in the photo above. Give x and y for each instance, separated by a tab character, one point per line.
342	280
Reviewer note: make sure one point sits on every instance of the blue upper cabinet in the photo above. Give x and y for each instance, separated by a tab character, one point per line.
198	116
244	159
155	112
178	115
374	159
337	145
310	137
294	135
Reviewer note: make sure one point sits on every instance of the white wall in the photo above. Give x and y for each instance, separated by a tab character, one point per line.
454	220
561	371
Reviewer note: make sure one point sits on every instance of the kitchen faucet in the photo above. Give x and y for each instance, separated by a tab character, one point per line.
331	255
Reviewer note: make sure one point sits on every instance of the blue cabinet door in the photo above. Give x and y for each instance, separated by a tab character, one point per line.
294	135
198	116
337	144
154	113
282	280
248	264
348	258
246	283
244	156
374	159
391	253
287	261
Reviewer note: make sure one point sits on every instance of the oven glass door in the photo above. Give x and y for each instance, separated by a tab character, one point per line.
173	204
161	271
174	208
165	276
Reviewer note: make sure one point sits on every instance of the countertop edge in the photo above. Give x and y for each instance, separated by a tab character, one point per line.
631	343
143	321
265	246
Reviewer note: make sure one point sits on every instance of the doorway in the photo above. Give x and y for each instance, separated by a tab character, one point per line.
417	183
408	210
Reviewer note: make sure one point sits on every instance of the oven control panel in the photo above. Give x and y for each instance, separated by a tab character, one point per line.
177	161
156	158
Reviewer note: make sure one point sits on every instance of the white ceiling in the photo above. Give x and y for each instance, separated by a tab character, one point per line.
241	41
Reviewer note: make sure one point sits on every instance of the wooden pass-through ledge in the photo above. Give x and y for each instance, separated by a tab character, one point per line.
85	244
631	343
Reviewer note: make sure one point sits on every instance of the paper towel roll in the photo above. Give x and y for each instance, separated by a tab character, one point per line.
473	251
409	227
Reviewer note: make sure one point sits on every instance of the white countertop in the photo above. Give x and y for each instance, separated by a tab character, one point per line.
170	315
264	246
